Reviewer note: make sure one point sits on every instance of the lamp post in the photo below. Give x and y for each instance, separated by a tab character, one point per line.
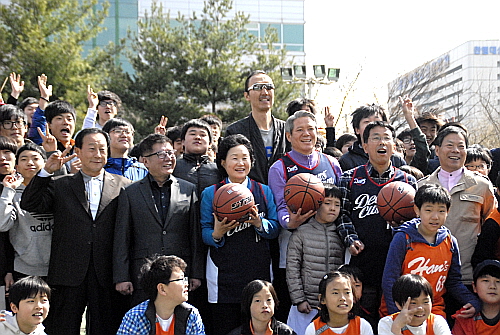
297	74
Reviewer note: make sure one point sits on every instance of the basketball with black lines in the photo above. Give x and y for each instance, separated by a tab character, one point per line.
395	202
233	201
304	190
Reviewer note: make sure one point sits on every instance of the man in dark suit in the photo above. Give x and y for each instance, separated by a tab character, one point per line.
84	206
266	133
158	215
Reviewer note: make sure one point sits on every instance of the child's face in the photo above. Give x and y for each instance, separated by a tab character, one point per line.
358	288
329	210
262	307
338	297
31	312
432	216
488	289
420	307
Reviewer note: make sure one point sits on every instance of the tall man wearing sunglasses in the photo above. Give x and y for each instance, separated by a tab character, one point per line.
158	215
266	133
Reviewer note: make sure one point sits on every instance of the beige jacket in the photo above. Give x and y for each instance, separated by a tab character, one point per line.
472	200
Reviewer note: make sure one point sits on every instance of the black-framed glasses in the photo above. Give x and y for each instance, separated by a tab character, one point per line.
106	103
407	140
185	280
163	154
10	124
119	131
260	87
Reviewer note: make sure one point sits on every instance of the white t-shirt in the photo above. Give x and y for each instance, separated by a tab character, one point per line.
440	326
365	328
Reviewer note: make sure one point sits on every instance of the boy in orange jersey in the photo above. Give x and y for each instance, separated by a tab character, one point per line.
425	247
487	286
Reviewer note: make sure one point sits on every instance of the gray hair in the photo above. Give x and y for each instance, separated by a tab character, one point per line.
295	116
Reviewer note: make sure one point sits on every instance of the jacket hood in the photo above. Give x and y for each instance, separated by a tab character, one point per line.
410	228
357	149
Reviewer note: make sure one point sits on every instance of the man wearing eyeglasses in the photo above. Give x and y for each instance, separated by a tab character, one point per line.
266	133
103	106
365	233
13	123
158	215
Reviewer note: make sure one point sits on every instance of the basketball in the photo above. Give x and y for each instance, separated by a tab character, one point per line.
304	190
233	201
395	202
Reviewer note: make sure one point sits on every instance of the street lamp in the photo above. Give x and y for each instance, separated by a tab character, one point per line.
297	74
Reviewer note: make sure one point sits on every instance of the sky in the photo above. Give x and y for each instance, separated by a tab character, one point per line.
384	39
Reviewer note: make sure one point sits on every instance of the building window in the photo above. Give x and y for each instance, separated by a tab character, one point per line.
498	63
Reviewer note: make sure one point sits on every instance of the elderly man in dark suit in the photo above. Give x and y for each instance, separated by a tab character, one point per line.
84	206
158	215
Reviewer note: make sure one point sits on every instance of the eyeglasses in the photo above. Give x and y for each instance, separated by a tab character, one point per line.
10	124
163	154
106	103
407	140
185	280
119	131
376	139
259	87
477	167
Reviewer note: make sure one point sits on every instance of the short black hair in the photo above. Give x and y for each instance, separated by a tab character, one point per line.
108	95
332	151
59	107
116	122
252	288
434	194
371	125
351	270
212	120
254	73
332	191
297	104
430	117
404	134
87	131
158	269
475	152
146	145
342	140
28	287
364	112
28	101
6	143
30	146
445	131
174	133
196	123
226	144
9	112
410	286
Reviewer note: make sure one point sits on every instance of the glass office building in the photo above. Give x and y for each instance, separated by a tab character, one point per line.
286	16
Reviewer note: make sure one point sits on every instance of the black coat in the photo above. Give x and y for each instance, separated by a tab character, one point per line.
77	239
249	128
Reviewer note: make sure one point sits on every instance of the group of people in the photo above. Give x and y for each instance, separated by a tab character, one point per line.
127	234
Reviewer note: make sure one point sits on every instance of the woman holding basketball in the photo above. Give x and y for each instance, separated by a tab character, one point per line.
238	252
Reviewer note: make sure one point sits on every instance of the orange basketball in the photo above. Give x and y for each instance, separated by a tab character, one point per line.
304	190
233	201
395	202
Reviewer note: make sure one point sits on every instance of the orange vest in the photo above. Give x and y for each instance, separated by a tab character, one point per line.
432	263
495	216
354	327
428	331
170	331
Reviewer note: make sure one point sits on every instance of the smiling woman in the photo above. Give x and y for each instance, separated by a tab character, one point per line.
229	268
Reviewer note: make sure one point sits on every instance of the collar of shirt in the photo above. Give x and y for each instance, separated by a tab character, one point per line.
244	182
305	160
450	179
154	183
372	172
87	178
